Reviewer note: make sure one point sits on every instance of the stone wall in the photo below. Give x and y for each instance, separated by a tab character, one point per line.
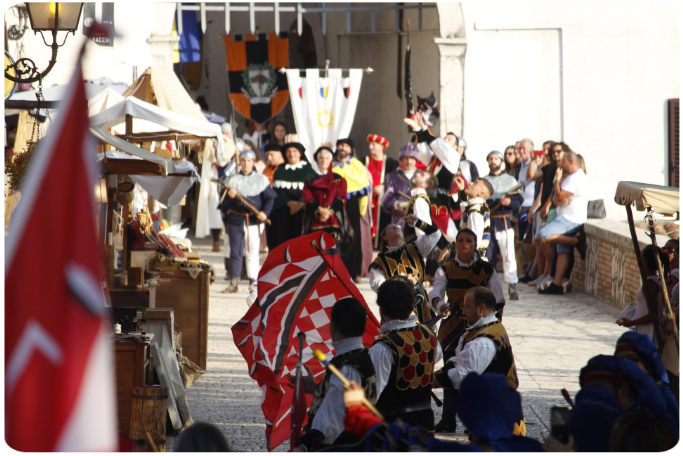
610	271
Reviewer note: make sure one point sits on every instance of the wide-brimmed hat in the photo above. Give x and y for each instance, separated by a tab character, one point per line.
296	145
272	147
348	141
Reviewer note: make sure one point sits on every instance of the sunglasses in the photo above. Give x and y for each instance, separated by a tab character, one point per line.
669	250
509	153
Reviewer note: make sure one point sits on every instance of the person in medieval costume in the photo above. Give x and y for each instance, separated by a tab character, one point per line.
397	188
452	280
243	226
401	258
274	158
324	197
358	188
404	357
288	182
208	216
379	166
326	414
423	185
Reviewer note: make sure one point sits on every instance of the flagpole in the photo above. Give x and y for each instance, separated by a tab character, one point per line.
283	70
297	391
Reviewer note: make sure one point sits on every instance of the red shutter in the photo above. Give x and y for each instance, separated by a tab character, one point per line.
674	144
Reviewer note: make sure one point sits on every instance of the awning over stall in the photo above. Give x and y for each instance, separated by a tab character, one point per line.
166	165
167	190
663	200
157	123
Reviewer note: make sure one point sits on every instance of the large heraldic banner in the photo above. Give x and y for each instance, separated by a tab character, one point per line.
323	107
258	91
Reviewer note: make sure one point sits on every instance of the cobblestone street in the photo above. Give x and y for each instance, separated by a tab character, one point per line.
552	338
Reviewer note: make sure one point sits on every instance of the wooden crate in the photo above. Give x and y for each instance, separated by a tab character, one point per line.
189	299
131	357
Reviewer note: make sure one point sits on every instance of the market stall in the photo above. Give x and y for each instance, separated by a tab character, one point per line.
655	200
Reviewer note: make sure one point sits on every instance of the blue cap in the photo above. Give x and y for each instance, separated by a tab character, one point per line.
646	351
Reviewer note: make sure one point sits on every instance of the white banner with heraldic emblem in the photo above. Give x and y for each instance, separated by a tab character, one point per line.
323	107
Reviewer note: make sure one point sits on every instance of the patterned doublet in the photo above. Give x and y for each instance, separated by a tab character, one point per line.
409	234
504	362
414	351
460	279
402	261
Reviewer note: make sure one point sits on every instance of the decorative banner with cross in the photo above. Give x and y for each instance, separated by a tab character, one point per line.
323	107
257	90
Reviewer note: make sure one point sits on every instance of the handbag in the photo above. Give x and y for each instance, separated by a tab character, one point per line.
596	209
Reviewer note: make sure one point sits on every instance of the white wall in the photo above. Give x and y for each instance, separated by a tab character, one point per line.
621	64
133	21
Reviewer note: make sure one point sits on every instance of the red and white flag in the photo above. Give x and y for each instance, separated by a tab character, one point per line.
59	379
296	289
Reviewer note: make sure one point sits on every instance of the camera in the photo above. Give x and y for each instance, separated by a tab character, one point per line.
559	423
539	153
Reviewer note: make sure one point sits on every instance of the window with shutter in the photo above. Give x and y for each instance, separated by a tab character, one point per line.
674	144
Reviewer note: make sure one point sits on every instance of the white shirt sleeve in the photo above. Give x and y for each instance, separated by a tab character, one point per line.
377	278
421	210
496	288
426	242
439	290
474	357
425	152
475	222
382	359
329	419
446	155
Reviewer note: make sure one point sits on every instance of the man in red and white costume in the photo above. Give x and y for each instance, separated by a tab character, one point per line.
379	166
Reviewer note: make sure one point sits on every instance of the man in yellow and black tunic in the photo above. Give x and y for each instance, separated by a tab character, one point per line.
483	348
403	358
400	258
452	280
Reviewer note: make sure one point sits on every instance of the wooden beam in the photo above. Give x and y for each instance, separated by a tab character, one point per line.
31	104
136	168
165	136
129	125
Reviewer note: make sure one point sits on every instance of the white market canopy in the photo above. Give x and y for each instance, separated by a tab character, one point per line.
152	123
166	165
663	200
167	190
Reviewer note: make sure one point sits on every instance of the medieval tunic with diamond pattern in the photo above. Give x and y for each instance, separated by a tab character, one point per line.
408	389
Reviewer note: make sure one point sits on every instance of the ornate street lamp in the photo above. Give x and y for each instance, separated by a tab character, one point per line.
46	17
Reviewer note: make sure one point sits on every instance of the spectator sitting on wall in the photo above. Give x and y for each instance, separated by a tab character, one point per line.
571	192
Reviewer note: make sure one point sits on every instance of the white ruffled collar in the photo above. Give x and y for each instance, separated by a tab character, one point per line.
346	345
297	166
398	324
418	191
466	265
393	249
483	321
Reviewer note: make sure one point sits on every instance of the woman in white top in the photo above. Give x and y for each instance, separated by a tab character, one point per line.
643	321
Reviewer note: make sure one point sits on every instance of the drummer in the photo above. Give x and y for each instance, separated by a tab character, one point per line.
243	224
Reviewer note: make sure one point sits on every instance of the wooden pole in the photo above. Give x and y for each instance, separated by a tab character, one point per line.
665	294
649	299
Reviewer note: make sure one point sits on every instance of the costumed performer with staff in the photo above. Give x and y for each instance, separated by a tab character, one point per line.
379	166
398	185
404	357
326	415
399	258
242	224
358	189
325	198
288	182
452	280
484	348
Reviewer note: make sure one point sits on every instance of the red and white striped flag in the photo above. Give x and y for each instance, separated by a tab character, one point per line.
59	379
297	287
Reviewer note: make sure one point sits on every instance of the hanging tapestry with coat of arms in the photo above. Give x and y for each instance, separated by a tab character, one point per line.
258	91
